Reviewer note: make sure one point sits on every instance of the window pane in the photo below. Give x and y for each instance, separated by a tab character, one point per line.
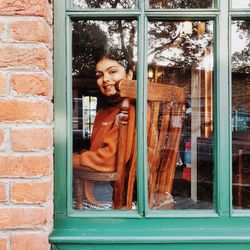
186	4
180	115
241	4
106	4
241	113
104	167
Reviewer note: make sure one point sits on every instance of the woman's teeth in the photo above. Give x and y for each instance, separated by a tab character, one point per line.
109	87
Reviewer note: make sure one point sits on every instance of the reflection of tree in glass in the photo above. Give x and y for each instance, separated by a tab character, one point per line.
164	4
241	57
86	47
170	45
90	38
119	4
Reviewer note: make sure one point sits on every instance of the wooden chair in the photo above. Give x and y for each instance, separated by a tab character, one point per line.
165	115
166	106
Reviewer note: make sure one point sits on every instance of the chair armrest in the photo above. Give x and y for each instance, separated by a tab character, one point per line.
88	174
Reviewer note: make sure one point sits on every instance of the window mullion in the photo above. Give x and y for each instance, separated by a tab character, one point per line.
141	115
222	173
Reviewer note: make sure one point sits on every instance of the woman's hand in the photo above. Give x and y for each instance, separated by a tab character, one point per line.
76	160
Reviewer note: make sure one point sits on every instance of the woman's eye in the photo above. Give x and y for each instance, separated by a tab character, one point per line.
112	71
99	74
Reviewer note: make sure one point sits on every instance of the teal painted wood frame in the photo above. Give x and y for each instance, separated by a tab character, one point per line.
129	229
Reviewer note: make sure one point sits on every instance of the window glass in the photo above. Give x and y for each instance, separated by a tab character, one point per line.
188	4
241	4
241	113
104	52
180	123
116	4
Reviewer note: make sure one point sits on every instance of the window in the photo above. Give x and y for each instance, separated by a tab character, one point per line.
181	129
240	112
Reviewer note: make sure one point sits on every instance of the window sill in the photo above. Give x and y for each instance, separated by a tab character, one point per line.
151	231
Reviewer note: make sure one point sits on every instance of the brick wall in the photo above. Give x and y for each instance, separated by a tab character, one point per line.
26	122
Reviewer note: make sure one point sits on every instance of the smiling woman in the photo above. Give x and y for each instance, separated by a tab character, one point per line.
95	144
109	72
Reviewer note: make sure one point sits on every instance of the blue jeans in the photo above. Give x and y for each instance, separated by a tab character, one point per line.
103	191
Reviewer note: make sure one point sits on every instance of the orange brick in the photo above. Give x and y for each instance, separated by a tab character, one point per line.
25	7
22	217
25	166
35	84
15	56
35	192
3	242
13	110
38	31
2	192
1	137
31	139
3	85
29	241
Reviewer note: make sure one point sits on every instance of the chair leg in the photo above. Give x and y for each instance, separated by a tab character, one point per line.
79	193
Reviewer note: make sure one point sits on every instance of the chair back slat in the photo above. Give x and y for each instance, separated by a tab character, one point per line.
169	156
153	142
155	162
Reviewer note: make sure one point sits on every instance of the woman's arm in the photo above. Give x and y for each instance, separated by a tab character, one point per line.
102	159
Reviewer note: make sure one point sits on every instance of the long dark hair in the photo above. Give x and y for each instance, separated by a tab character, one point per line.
123	57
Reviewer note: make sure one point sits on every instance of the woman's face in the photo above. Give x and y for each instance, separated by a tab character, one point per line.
108	72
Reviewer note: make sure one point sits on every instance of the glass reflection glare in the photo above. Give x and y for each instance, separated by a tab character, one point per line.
104	4
241	4
188	4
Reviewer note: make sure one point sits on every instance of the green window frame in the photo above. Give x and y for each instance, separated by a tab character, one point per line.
223	225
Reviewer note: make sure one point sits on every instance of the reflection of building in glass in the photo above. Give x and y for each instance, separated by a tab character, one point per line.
88	116
84	112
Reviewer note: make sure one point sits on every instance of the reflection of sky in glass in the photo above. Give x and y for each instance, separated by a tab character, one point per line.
198	49
238	40
115	39
241	4
240	46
